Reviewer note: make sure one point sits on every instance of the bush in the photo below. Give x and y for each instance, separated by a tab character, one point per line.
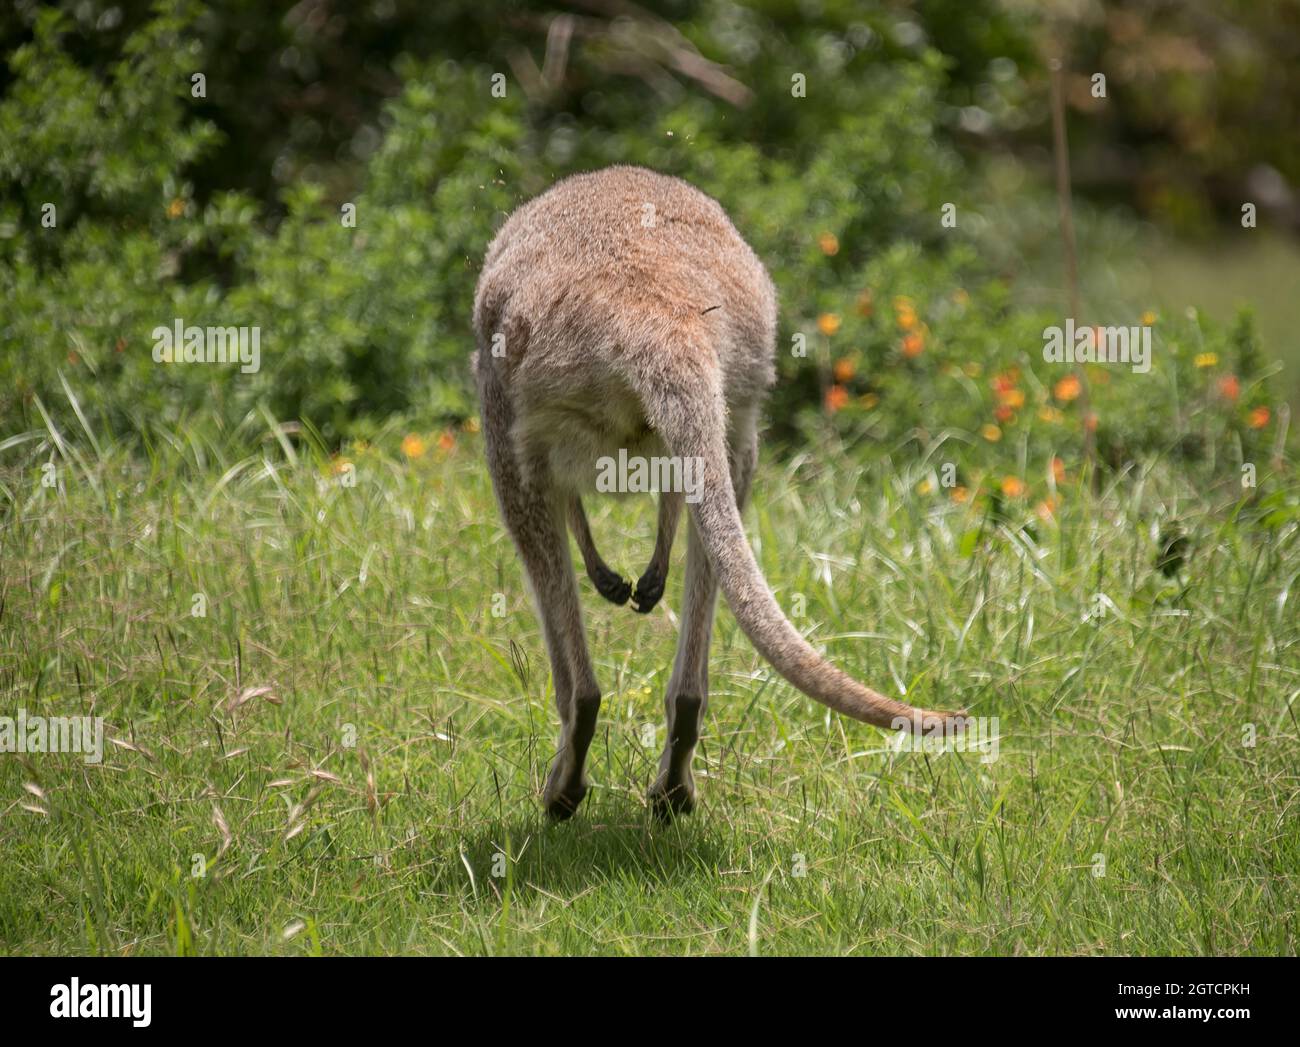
895	327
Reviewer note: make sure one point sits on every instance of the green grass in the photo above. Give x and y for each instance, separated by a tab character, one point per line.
372	606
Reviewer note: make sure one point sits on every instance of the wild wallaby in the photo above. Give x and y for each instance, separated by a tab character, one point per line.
621	310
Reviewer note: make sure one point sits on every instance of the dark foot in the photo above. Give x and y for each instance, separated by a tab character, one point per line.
668	800
649	588
566	785
613	587
562	805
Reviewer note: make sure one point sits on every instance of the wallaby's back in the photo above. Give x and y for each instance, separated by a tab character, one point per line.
625	268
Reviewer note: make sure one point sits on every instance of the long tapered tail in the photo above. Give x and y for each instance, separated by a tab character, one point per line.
696	430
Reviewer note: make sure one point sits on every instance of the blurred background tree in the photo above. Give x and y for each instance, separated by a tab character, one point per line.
226	204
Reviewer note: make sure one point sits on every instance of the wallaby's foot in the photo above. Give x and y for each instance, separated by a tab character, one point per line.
566	785
649	588
561	798
670	797
613	587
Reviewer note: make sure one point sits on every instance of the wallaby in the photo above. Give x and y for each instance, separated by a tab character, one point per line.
621	310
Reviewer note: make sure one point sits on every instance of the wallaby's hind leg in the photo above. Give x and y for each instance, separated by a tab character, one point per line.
611	585
673	791
533	510
650	586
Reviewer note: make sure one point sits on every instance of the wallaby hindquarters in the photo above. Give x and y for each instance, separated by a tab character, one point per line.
620	311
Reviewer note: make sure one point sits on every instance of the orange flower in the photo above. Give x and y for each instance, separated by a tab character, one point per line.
829	243
1013	486
1005	381
1258	418
836	397
446	441
1058	470
413	446
960	495
961	297
913	346
828	323
1046	509
1003	413
339	466
1067	389
1090	422
1229	387
865	304
1012	397
844	369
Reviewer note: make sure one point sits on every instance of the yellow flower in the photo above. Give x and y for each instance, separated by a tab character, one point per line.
924	487
904	312
828	323
176	208
1148	318
991	433
471	425
413	446
973	369
1051	414
1206	359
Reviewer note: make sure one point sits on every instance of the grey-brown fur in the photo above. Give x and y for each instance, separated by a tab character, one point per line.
627	312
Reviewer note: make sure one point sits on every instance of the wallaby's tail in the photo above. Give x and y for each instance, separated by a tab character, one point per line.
695	428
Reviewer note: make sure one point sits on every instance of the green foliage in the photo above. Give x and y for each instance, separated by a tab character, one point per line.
365	323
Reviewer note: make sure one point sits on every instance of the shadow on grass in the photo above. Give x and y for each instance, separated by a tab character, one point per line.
605	842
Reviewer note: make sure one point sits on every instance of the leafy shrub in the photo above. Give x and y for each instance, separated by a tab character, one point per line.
895	327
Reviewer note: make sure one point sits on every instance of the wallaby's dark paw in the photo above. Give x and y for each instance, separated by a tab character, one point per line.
562	803
613	587
649	588
669	800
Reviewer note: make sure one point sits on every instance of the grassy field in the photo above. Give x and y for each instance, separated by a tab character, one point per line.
343	753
